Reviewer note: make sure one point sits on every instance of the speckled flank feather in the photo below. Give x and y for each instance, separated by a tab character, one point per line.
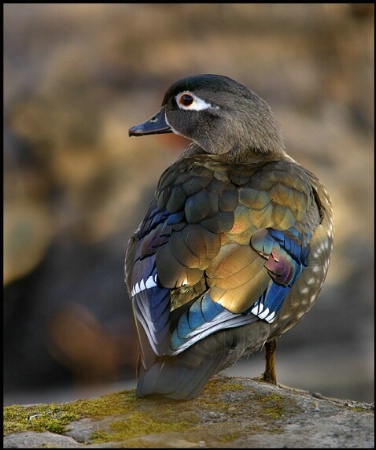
233	250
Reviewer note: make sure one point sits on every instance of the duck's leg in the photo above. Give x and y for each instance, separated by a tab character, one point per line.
270	374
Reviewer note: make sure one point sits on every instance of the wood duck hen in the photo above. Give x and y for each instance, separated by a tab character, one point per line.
235	246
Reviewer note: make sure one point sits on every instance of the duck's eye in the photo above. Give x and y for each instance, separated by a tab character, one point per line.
186	99
190	102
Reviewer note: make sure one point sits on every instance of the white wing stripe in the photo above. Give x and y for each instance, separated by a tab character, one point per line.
150	283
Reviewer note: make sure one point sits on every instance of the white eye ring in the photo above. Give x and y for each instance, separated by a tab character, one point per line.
197	104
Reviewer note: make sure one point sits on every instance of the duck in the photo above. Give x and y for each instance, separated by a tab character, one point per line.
234	247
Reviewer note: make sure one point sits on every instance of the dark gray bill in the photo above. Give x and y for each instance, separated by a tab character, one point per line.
156	124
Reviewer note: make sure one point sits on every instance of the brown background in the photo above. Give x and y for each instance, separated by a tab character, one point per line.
76	77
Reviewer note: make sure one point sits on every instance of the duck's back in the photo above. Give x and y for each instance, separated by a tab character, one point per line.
227	257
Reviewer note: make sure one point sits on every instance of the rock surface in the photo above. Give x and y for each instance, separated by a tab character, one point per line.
231	412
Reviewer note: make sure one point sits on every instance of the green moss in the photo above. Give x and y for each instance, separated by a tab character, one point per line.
357	408
136	417
37	418
210	399
136	424
271	397
218	385
230	437
54	417
133	418
274	405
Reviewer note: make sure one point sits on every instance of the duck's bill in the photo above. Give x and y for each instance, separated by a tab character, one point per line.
155	125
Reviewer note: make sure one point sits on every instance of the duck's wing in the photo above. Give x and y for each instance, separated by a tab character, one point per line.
220	247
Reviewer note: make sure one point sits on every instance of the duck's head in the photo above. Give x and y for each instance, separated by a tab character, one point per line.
220	115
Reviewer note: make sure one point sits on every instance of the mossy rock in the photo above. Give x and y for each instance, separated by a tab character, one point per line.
231	412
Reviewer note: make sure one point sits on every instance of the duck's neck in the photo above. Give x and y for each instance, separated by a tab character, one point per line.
249	155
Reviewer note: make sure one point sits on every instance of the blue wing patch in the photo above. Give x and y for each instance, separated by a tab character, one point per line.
286	258
151	305
204	317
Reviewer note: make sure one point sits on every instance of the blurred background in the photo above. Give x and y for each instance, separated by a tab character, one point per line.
76	77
